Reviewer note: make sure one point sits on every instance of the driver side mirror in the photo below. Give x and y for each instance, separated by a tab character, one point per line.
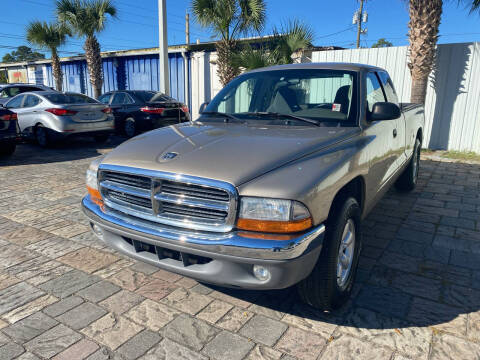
202	107
385	111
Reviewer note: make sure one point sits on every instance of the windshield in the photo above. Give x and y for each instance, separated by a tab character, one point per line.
70	99
317	94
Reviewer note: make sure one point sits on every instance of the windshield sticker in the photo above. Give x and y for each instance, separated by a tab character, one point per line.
336	107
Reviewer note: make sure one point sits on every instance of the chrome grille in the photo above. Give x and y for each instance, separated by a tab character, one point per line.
170	199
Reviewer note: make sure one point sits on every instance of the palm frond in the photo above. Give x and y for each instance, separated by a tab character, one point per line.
47	35
249	58
85	17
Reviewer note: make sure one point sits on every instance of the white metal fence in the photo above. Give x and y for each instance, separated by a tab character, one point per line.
452	108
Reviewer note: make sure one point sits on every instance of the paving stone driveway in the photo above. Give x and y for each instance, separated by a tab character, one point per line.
65	296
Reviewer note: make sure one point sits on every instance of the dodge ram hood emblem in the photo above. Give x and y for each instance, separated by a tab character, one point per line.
169	155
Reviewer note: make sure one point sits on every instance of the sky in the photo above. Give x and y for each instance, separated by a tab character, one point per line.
137	26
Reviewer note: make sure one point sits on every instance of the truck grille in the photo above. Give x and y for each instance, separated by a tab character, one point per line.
182	201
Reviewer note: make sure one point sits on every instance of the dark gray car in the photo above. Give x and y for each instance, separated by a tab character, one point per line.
8	91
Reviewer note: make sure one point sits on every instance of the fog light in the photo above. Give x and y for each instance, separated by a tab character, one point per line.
97	231
261	273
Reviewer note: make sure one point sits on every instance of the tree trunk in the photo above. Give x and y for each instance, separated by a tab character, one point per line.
425	16
94	64
226	70
57	70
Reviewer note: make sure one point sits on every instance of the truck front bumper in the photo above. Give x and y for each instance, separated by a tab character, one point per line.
225	259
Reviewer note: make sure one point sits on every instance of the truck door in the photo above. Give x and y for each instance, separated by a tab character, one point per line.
383	151
400	139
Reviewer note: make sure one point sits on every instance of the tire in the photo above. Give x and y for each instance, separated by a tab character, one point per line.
101	138
130	127
42	136
7	148
408	180
323	288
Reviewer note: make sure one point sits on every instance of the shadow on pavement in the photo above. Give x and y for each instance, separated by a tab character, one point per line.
29	153
420	265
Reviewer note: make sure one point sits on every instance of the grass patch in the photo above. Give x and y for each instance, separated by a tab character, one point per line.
461	155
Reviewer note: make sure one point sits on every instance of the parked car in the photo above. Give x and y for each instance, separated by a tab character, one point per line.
9	91
268	188
51	115
8	132
136	111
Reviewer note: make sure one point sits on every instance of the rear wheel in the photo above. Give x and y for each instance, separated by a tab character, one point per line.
408	180
130	127
7	148
330	283
42	136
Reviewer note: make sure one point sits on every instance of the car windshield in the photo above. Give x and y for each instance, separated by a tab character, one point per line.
70	99
293	95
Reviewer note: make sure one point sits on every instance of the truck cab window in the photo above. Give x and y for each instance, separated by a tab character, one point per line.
374	91
388	87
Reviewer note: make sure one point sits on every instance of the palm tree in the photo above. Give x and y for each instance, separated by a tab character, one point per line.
425	16
87	18
229	19
49	36
291	38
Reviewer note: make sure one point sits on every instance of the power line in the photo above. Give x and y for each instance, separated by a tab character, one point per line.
335	33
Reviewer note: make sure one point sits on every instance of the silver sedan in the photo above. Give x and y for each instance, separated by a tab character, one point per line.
51	115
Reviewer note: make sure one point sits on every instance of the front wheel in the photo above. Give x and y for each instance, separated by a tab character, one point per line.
408	180
330	284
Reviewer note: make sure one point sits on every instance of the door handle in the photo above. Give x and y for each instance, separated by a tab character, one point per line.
394	133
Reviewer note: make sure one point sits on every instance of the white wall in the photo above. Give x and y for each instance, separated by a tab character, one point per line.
452	108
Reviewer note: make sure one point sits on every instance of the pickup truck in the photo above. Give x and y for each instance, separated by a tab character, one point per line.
269	186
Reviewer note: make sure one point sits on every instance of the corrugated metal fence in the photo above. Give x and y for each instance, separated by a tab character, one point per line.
138	72
452	108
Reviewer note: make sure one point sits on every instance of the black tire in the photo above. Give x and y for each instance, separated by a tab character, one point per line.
408	180
42	136
7	148
130	127
101	138
321	289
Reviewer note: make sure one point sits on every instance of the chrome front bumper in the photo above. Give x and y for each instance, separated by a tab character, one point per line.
235	243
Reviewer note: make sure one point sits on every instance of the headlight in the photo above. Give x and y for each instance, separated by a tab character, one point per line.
273	215
92	181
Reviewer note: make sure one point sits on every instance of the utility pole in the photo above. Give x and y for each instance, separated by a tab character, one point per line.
187	28
163	48
359	17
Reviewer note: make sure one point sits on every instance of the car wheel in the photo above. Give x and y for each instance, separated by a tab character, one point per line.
129	127
330	283
7	149
408	180
42	136
101	138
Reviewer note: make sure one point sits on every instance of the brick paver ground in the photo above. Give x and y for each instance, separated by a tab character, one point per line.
63	295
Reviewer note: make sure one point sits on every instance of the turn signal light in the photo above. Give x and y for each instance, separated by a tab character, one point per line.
269	226
95	196
61	112
184	109
107	110
9	117
152	110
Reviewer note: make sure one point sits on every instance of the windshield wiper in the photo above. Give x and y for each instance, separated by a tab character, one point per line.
220	114
279	115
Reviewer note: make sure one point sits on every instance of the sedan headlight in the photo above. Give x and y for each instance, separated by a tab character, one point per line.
273	215
92	181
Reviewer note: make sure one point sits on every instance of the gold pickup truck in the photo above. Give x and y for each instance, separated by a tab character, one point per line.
269	186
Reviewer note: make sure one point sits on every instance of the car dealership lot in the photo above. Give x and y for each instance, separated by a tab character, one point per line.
62	293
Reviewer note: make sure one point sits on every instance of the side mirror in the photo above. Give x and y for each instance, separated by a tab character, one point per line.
202	107
385	111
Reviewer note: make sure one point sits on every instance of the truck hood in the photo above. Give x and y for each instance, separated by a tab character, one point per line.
235	153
